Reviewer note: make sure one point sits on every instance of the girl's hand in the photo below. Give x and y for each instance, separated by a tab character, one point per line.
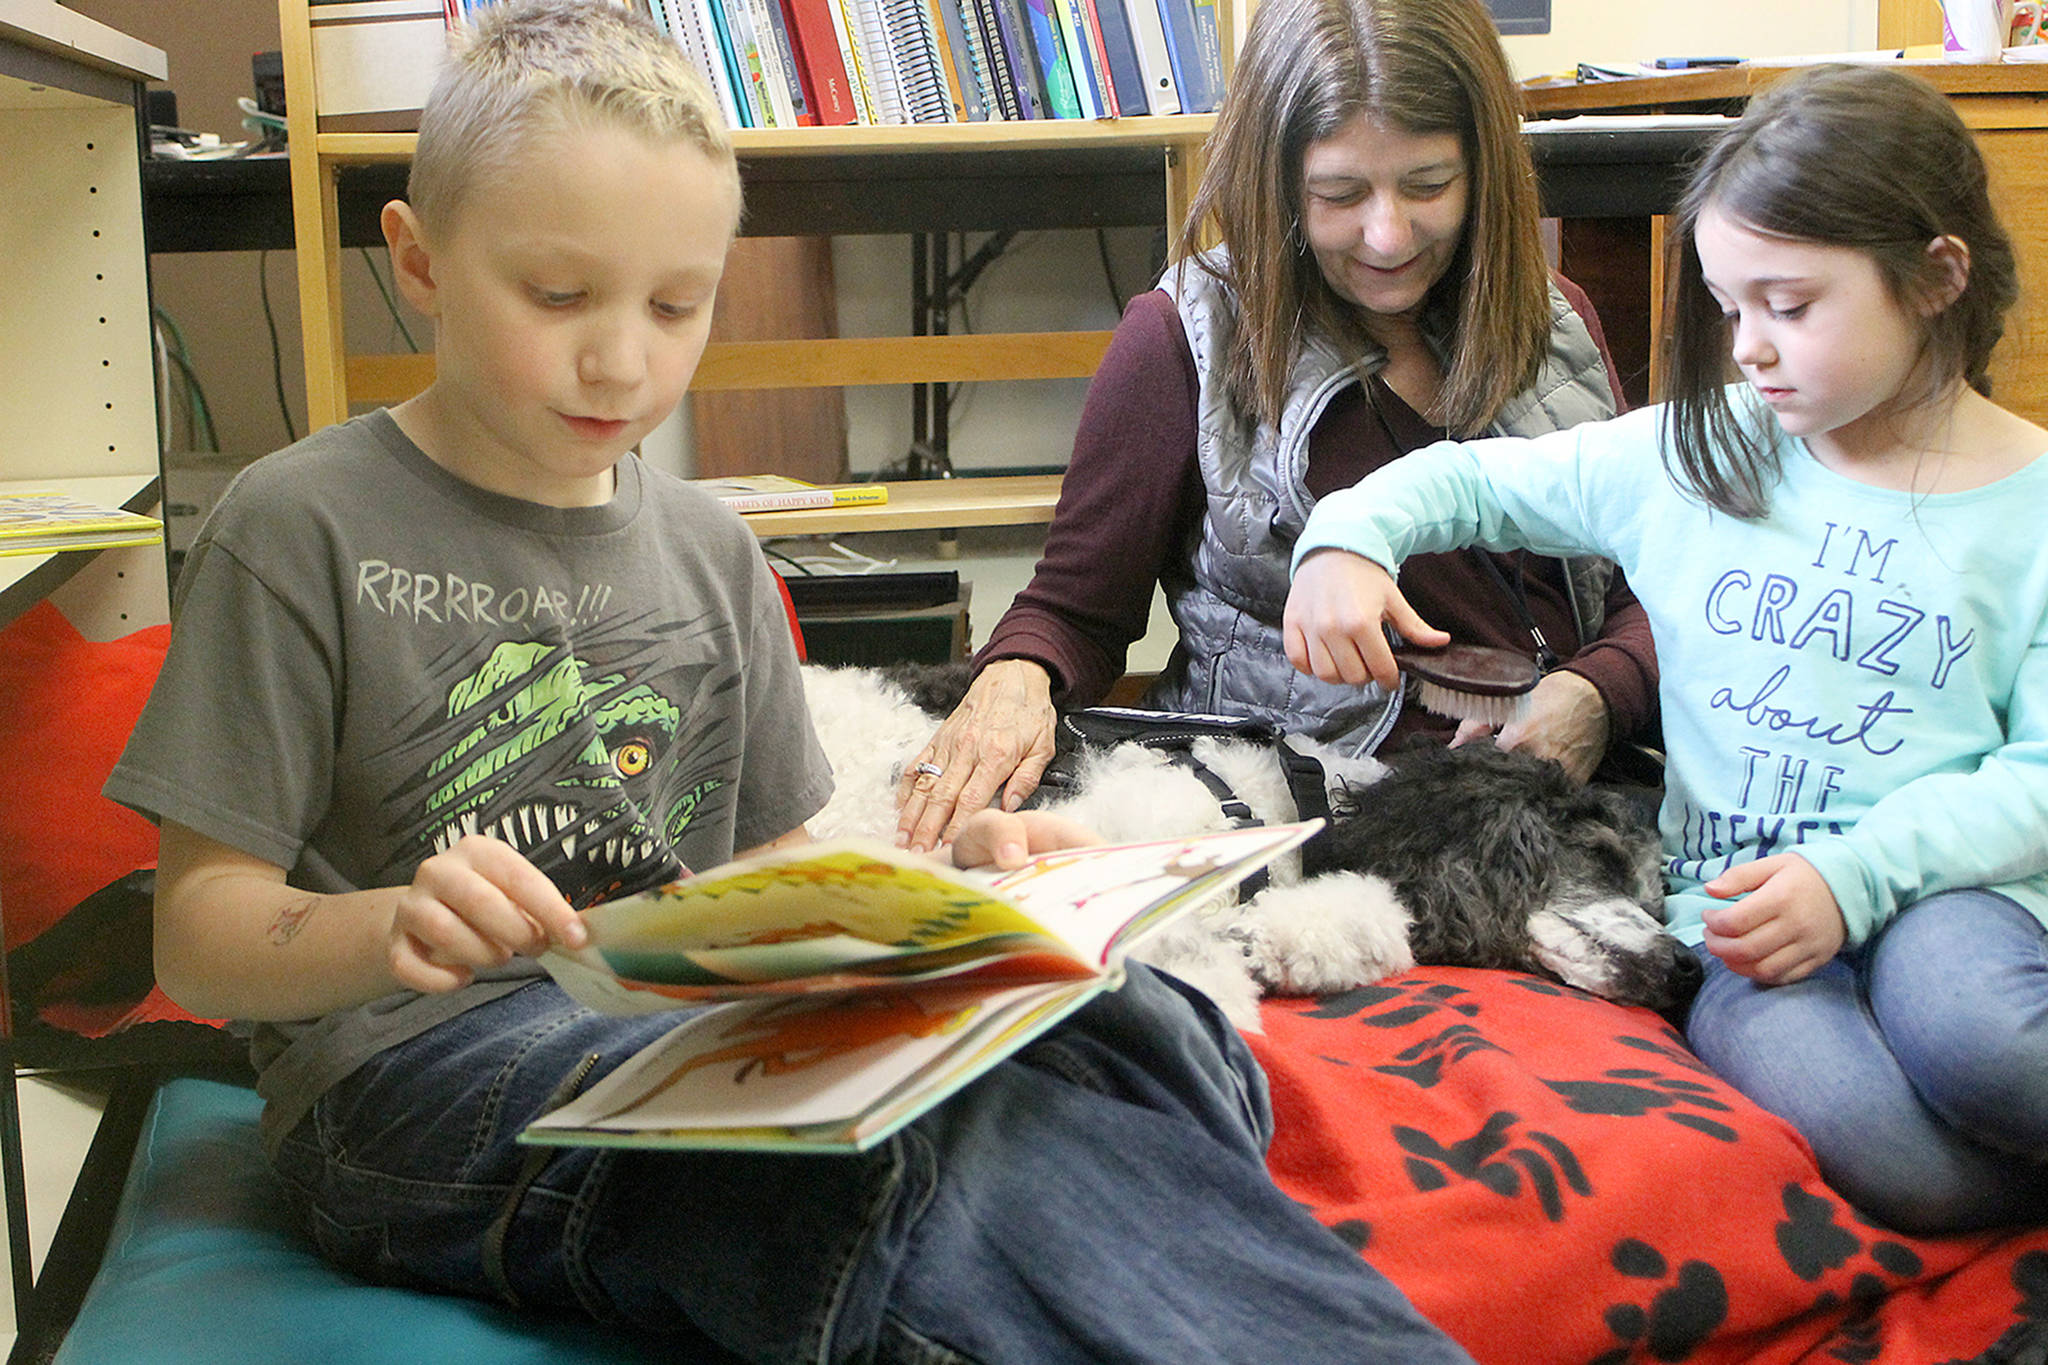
476	905
999	736
1336	613
1786	927
1565	719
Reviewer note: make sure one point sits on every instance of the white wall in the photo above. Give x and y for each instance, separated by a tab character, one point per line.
1618	32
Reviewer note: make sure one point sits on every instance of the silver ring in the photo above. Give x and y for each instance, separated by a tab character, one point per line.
929	770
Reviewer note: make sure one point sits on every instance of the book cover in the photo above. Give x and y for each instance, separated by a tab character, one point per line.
1052	59
963	85
768	100
1091	25
776	493
913	47
691	23
1120	54
38	521
857	83
769	14
746	112
817	54
1184	50
864	24
1027	74
1072	23
1148	33
1000	69
1209	38
973	47
858	985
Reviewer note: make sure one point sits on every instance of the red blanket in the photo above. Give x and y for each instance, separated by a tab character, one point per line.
1552	1177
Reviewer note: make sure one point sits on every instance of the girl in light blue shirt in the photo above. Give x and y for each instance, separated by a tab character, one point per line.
1840	556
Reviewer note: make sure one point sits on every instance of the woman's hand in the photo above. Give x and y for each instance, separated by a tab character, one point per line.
476	905
1565	719
1337	611
999	736
1786	926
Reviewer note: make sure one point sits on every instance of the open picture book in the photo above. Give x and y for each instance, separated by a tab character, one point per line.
857	985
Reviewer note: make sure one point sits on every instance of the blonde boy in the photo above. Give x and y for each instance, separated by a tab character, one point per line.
447	672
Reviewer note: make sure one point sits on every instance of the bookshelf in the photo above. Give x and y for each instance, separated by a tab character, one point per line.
335	379
77	379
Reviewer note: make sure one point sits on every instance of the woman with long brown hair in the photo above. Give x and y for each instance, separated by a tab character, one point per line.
1380	283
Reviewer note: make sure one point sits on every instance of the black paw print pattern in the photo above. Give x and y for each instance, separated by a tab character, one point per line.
1689	1305
1631	1092
1424	1062
1814	1243
1394	1006
2027	1339
1499	1159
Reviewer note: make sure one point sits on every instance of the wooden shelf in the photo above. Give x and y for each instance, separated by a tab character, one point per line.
925	504
1172	131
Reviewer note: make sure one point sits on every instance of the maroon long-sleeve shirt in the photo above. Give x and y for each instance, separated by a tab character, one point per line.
1133	496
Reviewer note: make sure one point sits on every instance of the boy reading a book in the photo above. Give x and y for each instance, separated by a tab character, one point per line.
447	672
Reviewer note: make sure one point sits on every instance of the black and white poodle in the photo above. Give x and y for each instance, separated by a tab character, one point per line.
1473	856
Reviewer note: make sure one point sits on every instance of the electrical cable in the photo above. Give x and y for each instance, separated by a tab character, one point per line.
276	353
390	303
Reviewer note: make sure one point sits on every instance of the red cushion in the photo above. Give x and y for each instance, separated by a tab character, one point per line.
1553	1177
66	706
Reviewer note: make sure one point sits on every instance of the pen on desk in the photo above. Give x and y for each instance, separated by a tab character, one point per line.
1689	63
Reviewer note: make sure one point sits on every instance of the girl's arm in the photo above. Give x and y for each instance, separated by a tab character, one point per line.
1569	492
1948	831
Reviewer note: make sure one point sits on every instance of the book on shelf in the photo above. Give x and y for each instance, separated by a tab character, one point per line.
778	493
1001	72
1052	59
963	85
1198	94
1155	65
38	521
1120	54
818	56
856	985
1072	22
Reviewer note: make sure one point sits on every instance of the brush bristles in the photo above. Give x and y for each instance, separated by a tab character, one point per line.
1446	701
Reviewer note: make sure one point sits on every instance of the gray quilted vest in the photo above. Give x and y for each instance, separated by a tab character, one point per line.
1228	592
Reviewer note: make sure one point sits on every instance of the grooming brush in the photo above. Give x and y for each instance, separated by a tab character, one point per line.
1470	682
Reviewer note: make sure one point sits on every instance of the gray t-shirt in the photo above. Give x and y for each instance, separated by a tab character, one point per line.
372	658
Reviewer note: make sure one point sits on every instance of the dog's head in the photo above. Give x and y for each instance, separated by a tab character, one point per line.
1480	841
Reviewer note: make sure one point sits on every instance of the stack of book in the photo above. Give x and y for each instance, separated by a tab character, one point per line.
40	522
778	493
800	63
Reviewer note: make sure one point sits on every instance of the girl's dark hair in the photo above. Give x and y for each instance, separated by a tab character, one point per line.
1850	156
1306	69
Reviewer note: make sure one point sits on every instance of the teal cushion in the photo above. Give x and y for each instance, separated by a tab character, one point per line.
204	1266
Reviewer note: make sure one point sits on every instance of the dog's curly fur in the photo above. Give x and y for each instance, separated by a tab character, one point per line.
1473	857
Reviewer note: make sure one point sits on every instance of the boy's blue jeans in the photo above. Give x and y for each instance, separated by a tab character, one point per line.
1100	1197
1916	1066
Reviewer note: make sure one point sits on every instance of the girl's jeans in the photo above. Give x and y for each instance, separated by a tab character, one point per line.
1915	1066
1102	1196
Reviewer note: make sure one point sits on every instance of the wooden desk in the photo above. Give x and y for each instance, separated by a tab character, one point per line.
926	504
2006	106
